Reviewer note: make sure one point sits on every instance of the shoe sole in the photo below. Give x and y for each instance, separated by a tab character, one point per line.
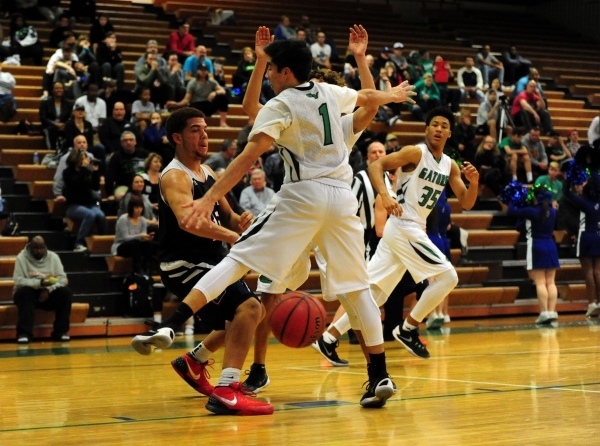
410	350
258	389
382	394
594	313
330	361
219	408
145	345
187	379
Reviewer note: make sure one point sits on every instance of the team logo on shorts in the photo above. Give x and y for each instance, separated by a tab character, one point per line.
265	280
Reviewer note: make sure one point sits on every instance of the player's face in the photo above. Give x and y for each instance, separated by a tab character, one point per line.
194	138
438	131
275	78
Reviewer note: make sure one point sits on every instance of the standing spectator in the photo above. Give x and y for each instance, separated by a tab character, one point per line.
594	131
110	60
151	47
489	66
123	166
552	183
24	40
54	113
61	31
488	115
255	197
111	130
490	164
512	146
529	109
95	107
244	70
83	8
516	65
181	42
41	282
285	30
155	138
222	159
443	75
470	81
573	143
556	149
78	125
8	105
206	95
141	110
190	67
536	150
321	52
99	29
463	136
79	189
428	95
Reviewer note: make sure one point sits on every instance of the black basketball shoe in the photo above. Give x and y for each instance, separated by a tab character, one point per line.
329	353
410	340
257	378
378	392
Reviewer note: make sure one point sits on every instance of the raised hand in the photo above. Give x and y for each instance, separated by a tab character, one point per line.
262	39
358	41
470	172
403	92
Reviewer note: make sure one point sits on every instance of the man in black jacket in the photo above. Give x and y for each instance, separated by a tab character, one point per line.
112	128
123	165
55	111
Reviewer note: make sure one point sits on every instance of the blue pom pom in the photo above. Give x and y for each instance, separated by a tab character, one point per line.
576	174
514	193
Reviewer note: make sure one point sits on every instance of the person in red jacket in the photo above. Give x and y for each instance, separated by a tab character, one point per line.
181	42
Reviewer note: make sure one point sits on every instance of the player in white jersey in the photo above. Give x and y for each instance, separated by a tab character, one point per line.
405	245
304	121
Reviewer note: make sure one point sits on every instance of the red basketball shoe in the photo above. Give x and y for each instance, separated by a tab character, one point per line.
233	400
194	373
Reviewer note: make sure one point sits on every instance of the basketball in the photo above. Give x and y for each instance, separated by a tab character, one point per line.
298	320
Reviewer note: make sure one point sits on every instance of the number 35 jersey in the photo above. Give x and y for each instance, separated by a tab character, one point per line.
419	190
306	124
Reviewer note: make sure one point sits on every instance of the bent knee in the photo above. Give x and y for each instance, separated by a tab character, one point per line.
252	308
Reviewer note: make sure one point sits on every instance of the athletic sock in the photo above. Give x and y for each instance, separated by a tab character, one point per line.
329	338
407	327
178	318
514	178
376	368
229	376
201	353
529	176
158	317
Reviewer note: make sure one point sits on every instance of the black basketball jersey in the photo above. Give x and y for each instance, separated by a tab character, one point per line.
177	244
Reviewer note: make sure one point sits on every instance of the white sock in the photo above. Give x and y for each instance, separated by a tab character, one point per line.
157	317
514	178
529	176
329	338
229	376
201	353
408	327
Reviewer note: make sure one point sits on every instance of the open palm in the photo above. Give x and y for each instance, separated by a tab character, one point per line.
262	39
359	39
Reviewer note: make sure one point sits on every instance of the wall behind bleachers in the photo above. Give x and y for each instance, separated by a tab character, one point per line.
579	16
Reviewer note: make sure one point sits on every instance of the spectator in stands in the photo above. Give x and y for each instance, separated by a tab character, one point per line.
529	109
87	57
181	42
141	110
132	238
78	125
63	58
255	197
321	52
151	47
556	149
573	143
4	50
512	146
8	104
285	30
489	66
100	28
24	40
552	183
78	143
83	8
312	31
155	138
41	282
490	164
537	151
190	67
50	9
470	81
222	159
123	165
400	61
463	136
110	60
80	186
301	35
153	164
175	78
111	130
488	114
391	143
244	70
137	188
425	63
95	107
534	74
375	151
61	31
516	65
443	75
383	59
428	95
206	95
74	84
150	76
221	17
54	113
594	131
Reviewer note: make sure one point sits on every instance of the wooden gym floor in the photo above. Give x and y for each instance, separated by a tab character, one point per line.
495	381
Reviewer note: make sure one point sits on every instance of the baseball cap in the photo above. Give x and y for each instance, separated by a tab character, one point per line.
398	45
571	131
391	137
386	49
202	66
78	107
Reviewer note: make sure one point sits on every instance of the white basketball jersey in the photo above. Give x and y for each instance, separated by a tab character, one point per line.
419	190
306	123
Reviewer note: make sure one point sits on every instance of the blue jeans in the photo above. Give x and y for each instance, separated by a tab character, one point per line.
487	72
87	216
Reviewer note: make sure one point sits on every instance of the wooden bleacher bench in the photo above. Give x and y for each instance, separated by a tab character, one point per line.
472	221
7	266
14	157
74	225
493	238
41	189
455	207
6	288
573	291
100	244
56	208
483	296
33	172
455	256
119	266
472	274
569	273
11	246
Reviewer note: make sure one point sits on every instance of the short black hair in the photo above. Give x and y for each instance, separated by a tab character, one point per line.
142	91
226	144
292	54
178	120
440	111
109	34
518	131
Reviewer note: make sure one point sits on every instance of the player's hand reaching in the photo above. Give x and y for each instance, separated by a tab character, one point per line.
470	172
403	93
391	206
359	39
262	39
246	220
198	214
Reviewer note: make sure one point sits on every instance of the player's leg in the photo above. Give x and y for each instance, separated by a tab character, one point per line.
539	279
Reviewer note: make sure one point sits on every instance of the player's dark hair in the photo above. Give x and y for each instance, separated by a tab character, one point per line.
178	120
440	111
292	54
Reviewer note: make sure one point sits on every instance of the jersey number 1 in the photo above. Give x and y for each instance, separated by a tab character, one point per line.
324	112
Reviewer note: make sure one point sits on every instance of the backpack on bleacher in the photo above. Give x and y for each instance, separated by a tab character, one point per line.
137	295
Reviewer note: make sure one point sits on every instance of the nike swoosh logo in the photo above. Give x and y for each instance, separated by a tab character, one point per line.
327	352
405	339
196	377
232	402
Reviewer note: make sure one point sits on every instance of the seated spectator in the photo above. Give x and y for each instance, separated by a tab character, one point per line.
123	165
391	112
552	182
63	58
301	35
54	113
536	150
488	114
4	50
82	8
206	95
50	9
80	186
384	58
400	61
78	125
443	75
534	75
463	136
220	17
556	149
490	164
594	131
190	66
41	282
428	95
285	30
155	138
75	84
425	63
99	29
132	238
516	65
573	143
62	29
529	109
151	47
137	189
321	52
512	146
153	164
24	40
222	159
8	104
470	81
149	76
489	66
255	197
391	143
58	185
95	107
176	79
181	42
241	77
110	60
141	110
311	30
112	129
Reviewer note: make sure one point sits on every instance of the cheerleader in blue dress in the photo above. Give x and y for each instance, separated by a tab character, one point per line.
542	255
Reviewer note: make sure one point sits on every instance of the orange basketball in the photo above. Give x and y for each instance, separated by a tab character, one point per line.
298	320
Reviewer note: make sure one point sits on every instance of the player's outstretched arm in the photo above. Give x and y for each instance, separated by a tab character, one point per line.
251	104
466	197
400	93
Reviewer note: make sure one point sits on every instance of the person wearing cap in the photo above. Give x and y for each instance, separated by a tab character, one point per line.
206	95
384	57
398	58
391	143
321	51
77	126
94	106
190	67
556	149
151	47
